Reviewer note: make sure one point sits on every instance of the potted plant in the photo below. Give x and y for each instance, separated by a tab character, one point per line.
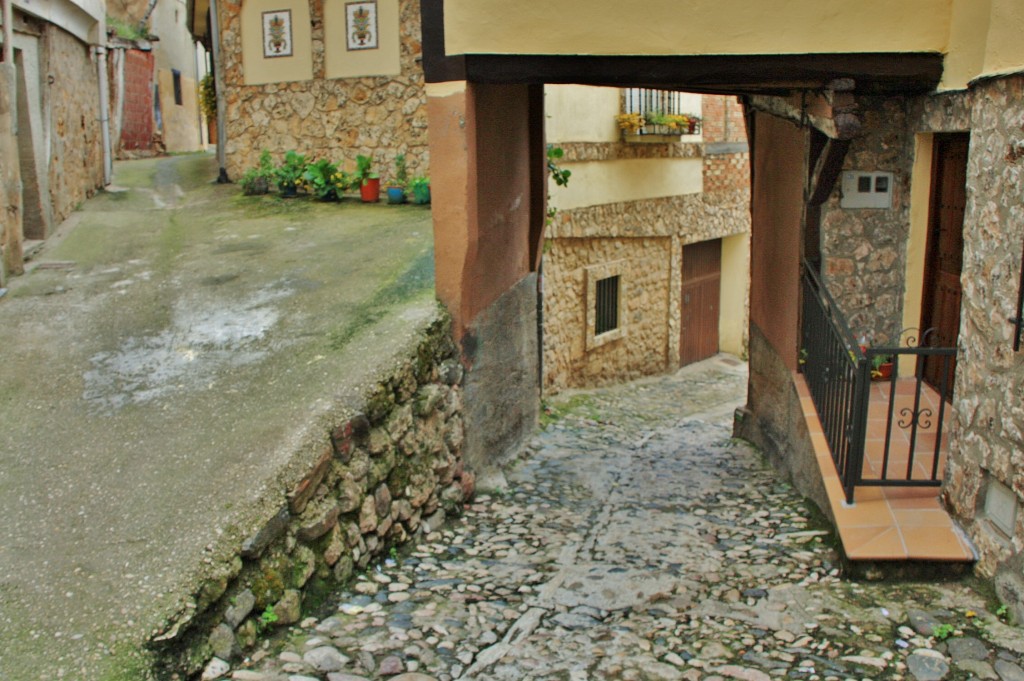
630	123
881	367
289	174
321	177
396	190
257	180
419	187
369	181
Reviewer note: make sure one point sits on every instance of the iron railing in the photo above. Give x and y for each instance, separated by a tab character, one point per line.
838	372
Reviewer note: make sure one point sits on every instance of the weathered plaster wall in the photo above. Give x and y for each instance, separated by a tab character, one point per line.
76	153
323	117
988	442
180	121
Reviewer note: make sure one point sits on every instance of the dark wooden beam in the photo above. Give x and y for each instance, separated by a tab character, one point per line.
438	67
740	74
826	171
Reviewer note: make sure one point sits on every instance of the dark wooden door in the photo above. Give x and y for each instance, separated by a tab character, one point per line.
702	278
940	304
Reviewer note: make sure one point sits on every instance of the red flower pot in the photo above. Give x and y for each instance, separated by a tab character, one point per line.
369	190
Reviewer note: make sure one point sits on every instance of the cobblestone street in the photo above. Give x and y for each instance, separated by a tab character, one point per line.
636	540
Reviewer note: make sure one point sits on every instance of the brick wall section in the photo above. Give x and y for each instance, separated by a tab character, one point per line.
723	119
137	129
726	173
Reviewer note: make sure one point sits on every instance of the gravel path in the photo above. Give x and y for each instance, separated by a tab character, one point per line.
636	540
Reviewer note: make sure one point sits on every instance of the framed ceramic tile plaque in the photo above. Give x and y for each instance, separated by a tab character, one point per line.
361	25
277	33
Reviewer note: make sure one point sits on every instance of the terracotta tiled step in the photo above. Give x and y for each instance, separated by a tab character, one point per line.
890	523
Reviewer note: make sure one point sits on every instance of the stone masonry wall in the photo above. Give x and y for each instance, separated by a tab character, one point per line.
649	236
327	118
864	250
385	475
723	119
76	150
645	271
988	442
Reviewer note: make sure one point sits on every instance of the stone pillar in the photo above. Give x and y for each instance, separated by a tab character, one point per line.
488	177
10	177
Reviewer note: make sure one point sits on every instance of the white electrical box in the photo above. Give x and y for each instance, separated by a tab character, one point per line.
863	189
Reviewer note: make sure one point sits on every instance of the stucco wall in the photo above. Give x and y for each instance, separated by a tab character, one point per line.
76	154
324	117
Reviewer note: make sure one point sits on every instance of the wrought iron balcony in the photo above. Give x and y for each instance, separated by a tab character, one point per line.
887	433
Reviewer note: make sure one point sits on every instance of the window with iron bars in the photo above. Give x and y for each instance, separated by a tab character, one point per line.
606	308
651	104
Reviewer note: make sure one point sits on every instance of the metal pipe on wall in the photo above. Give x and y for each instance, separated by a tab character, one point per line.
8	19
108	162
218	76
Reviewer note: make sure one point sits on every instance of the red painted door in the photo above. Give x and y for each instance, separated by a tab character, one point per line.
940	305
702	277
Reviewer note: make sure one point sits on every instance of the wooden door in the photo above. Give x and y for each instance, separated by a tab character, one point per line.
940	304
702	277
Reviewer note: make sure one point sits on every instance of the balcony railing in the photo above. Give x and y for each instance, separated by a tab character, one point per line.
890	433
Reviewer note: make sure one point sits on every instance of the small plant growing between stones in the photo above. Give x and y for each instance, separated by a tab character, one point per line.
267	618
940	632
1003	613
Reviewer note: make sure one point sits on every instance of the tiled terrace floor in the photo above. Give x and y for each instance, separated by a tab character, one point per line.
891	523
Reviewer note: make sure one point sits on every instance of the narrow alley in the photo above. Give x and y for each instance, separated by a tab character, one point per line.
635	539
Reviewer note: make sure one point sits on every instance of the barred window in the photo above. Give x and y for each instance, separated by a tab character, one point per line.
606	311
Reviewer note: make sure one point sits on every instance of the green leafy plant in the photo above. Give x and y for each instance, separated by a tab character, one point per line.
322	177
943	631
401	172
364	170
1003	612
419	187
289	174
558	174
208	97
267	618
257	180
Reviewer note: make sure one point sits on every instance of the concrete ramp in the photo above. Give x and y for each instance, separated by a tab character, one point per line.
172	363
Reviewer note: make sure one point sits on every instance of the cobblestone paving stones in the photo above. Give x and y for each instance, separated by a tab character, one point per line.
636	540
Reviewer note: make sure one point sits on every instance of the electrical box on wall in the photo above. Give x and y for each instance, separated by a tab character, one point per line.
866	189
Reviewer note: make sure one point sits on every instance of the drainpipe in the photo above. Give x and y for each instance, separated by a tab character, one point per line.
218	76
8	31
108	165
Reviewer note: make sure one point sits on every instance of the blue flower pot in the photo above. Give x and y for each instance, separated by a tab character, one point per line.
396	195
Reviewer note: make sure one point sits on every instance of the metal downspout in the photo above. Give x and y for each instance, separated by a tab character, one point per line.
108	163
218	76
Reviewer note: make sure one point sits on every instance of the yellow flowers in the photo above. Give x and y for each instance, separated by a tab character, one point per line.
630	122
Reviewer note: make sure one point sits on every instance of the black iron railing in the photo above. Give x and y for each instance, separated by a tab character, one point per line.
907	418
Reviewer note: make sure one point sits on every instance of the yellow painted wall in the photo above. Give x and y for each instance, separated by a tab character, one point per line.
920	192
593	184
579	113
967	38
344	63
702	27
732	321
1004	51
180	121
259	69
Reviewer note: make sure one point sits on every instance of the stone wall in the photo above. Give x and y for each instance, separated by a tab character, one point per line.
383	476
864	250
76	149
327	118
647	237
645	268
988	440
